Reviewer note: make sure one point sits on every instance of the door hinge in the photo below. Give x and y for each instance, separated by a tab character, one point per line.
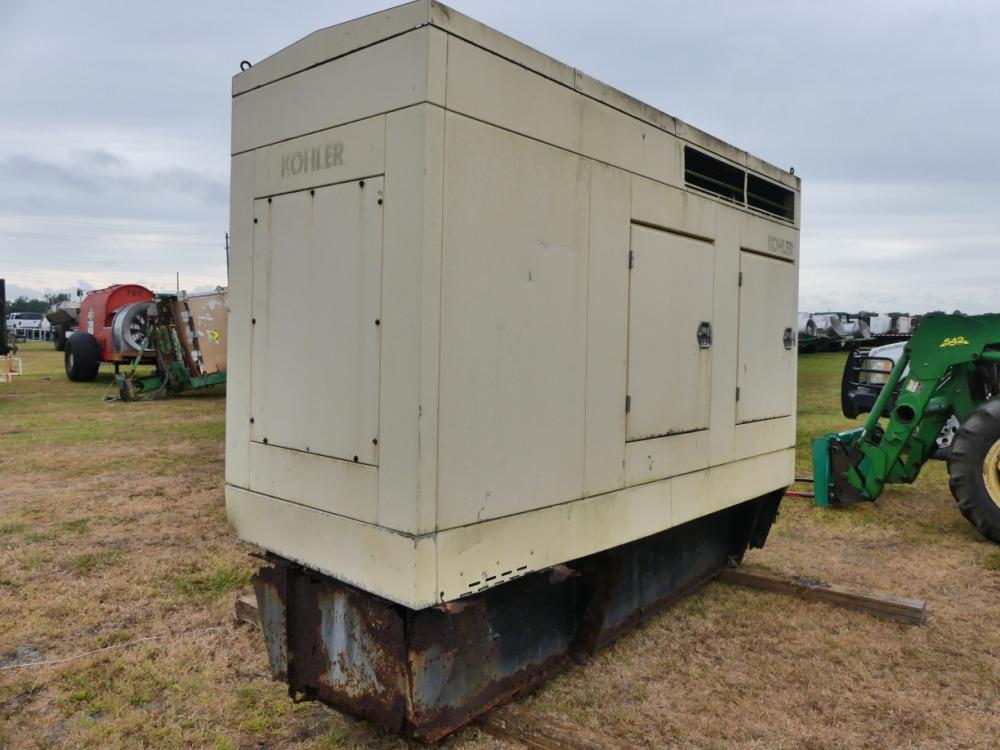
741	279
631	259
737	393
628	404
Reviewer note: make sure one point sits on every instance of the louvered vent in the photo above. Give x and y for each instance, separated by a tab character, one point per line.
770	198
713	175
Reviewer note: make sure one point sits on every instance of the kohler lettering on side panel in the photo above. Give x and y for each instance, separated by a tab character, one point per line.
455	382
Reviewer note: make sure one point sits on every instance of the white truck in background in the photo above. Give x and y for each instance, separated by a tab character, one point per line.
28	325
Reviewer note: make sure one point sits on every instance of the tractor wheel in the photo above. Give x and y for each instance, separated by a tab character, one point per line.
974	469
82	358
59	338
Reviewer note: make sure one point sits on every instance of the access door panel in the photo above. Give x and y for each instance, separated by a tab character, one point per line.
513	325
669	335
767	342
317	295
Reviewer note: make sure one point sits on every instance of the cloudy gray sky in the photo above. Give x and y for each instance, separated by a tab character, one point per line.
114	127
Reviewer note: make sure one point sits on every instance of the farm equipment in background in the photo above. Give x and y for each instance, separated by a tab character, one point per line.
855	327
186	335
64	317
836	331
893	326
831	331
948	370
10	364
112	324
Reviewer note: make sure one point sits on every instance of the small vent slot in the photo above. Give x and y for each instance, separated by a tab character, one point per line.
770	198
713	175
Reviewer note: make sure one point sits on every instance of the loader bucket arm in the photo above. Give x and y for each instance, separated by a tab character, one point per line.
942	356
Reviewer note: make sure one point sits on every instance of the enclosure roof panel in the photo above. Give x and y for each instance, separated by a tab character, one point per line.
336	41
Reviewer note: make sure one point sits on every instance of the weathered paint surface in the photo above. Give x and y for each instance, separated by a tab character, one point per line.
339	644
449	214
427	672
271	595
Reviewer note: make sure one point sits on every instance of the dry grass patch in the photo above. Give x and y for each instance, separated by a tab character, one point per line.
112	528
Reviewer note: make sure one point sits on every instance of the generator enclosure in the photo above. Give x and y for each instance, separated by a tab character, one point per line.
488	314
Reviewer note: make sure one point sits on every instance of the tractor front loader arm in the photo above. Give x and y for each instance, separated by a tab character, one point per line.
941	360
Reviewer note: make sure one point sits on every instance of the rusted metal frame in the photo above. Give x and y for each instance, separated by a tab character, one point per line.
426	672
511	722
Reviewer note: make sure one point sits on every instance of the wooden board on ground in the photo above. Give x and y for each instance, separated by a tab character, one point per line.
884	606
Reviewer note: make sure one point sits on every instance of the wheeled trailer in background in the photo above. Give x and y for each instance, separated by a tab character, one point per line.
112	326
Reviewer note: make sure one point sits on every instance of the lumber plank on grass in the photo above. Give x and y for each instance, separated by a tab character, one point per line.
542	732
246	609
884	606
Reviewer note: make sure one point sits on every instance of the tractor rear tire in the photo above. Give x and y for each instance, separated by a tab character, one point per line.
974	469
82	358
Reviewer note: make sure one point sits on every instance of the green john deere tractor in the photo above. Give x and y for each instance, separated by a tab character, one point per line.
950	368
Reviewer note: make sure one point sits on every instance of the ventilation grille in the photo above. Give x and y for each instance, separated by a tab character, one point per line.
770	198
713	175
734	184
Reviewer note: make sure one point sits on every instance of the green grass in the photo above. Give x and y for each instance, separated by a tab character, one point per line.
77	525
818	404
40	537
81	696
208	585
334	739
42	409
207	430
261	711
37	560
993	562
89	562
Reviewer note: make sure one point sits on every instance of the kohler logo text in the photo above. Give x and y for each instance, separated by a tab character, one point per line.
781	246
312	159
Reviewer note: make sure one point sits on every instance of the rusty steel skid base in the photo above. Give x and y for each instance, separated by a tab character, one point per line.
424	673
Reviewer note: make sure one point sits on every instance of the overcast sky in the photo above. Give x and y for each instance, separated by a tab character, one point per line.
114	127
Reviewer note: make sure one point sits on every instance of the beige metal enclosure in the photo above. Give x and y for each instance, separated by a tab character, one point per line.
489	314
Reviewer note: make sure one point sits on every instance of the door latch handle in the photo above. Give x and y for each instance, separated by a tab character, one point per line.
704	334
788	338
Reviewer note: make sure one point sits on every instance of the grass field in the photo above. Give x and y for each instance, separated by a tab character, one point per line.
112	529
